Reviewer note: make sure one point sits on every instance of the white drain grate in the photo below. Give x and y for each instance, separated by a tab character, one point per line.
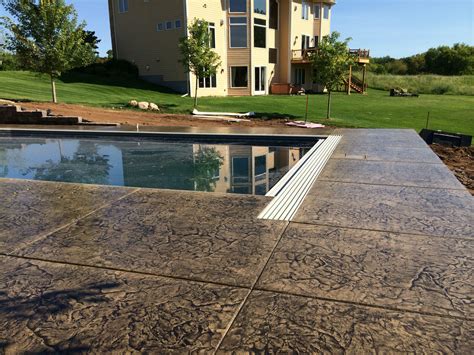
290	192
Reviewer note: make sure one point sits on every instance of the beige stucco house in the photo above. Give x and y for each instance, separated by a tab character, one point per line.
262	43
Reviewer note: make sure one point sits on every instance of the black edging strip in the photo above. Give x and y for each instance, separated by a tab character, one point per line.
203	138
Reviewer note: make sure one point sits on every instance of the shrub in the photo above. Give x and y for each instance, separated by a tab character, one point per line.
110	68
9	61
440	89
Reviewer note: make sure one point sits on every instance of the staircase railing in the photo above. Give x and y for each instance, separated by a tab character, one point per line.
356	84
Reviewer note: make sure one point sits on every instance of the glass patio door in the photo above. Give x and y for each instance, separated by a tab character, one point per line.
260	80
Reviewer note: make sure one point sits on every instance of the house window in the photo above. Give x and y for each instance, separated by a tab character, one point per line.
240	170
160	27
177	24
169	25
208	82
260	166
260	79
239	77
317	11
300	76
326	12
260	7
273	14
212	34
123	6
273	55
305	13
261	189
260	33
238	32
305	42
316	41
238	6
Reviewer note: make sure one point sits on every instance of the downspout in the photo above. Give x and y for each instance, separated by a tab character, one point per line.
251	72
321	19
186	32
278	42
226	48
113	29
290	32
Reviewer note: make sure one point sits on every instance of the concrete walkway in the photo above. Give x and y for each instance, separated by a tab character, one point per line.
380	258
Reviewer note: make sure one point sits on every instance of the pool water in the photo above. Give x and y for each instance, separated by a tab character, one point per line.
232	168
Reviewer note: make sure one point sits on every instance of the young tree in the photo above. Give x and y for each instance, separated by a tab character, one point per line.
331	64
46	37
197	54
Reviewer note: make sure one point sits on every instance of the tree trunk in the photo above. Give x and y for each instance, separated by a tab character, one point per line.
53	90
329	106
196	93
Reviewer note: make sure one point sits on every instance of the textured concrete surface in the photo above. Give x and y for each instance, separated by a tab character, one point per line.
29	210
46	307
202	236
390	173
379	259
406	272
439	212
275	323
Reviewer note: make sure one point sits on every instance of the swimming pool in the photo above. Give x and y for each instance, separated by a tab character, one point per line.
243	164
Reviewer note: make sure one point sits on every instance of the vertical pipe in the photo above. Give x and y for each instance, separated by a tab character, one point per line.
53	90
307	103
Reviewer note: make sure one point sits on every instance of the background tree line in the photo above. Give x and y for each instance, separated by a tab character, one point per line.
444	60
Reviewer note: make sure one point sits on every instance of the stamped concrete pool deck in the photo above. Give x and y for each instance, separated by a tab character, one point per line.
379	258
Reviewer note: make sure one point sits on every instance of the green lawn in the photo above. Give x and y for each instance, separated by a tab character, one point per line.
377	109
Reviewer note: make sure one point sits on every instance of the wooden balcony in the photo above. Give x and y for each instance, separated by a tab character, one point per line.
302	56
362	56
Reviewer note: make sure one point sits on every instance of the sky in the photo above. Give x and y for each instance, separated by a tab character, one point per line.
397	28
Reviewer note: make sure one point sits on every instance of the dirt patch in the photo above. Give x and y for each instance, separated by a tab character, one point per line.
133	117
460	161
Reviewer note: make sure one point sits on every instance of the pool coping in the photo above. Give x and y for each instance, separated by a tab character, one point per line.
156	135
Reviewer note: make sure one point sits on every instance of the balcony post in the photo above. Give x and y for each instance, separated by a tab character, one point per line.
349	82
364	73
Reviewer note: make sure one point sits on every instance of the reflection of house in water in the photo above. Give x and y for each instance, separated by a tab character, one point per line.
243	169
252	170
180	166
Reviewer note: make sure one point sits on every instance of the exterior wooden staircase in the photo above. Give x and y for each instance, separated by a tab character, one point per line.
357	85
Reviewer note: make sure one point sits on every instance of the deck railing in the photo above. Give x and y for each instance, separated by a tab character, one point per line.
304	54
360	53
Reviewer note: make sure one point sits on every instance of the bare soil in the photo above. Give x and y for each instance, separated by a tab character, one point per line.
460	161
133	117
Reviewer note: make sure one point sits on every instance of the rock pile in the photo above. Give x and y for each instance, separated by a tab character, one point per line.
144	105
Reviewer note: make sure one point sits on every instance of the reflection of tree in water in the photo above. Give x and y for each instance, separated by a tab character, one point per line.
9	152
3	163
207	163
86	166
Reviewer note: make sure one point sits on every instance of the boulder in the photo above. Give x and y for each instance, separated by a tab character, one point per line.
154	107
133	103
143	105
